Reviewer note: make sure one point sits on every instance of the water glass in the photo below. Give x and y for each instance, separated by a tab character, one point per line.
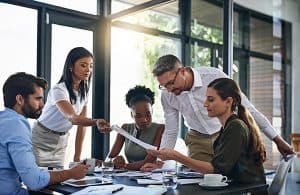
107	168
169	177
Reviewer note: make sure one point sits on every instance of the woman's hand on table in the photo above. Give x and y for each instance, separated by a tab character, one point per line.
119	162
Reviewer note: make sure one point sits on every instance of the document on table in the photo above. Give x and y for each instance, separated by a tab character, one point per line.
157	181
133	139
120	189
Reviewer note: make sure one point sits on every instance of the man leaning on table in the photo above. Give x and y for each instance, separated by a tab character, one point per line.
23	98
183	91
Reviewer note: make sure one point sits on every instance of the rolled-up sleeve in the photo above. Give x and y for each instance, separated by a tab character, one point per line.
20	149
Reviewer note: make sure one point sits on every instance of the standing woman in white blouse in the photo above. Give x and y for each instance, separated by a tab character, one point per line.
66	106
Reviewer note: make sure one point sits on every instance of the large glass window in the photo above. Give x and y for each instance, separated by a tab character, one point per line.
63	40
265	36
267	94
165	17
17	46
89	6
131	64
201	56
120	5
207	21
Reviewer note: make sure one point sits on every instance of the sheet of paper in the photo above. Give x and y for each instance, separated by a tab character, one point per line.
133	139
126	190
189	181
85	178
133	174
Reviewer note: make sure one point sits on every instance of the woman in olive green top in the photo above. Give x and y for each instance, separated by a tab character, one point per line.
140	100
238	151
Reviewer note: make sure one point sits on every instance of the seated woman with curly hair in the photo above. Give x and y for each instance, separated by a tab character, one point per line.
140	100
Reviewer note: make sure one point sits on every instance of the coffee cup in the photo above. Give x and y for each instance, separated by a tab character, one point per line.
214	179
91	162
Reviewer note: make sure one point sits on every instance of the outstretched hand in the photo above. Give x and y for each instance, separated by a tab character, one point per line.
103	126
164	154
151	166
283	147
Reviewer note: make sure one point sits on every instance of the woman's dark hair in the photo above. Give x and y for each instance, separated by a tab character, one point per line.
225	88
137	94
74	55
20	83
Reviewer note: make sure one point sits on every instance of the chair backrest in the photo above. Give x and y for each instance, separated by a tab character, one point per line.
280	176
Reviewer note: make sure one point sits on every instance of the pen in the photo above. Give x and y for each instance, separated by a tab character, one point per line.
117	190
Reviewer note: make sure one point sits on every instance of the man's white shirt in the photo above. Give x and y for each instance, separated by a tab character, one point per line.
191	105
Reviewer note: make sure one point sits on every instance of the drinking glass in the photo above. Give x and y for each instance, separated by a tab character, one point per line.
169	177
107	168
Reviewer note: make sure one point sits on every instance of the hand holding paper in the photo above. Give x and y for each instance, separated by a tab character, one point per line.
133	139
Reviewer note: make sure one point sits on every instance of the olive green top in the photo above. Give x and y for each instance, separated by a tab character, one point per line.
134	152
231	154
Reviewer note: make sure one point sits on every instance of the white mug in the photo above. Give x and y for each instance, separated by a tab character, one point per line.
91	162
213	179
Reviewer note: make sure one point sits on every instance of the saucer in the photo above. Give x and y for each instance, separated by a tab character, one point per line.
214	186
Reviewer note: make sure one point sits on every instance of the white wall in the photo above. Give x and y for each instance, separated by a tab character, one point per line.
287	10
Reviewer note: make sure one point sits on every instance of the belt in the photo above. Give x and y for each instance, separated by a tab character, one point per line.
49	130
203	134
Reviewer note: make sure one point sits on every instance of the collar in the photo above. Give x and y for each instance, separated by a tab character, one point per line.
197	79
13	112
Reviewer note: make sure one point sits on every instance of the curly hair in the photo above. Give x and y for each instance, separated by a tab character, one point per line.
139	93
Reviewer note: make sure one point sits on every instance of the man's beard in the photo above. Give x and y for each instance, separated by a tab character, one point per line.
30	112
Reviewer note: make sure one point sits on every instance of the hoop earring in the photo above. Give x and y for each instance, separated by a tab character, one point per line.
236	109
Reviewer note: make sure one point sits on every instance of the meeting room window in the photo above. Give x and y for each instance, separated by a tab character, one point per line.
164	17
89	6
136	44
207	21
131	64
267	76
18	46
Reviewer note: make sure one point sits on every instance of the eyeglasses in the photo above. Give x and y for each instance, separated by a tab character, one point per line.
170	83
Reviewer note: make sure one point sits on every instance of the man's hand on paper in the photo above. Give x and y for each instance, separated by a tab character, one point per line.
151	166
119	162
78	171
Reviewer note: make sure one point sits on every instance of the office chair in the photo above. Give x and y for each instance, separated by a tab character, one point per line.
278	183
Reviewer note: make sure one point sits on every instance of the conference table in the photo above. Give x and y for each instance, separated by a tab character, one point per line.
187	189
